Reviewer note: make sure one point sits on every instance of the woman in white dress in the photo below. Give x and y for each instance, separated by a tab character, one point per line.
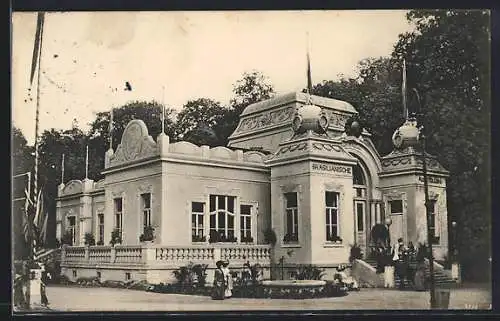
229	280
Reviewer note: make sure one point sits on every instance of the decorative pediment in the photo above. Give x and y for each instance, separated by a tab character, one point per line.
253	157
135	144
73	187
222	152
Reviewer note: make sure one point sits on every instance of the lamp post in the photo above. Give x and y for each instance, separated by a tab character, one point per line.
454	241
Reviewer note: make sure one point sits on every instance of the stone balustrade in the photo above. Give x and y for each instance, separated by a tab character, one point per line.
167	255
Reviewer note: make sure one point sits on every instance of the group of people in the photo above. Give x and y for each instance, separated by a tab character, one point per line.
407	265
223	281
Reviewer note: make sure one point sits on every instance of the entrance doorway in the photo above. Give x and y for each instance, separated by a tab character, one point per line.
360	209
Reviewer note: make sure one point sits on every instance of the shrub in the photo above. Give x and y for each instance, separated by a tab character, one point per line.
191	276
100	243
356	253
89	239
148	234
116	237
248	239
67	238
270	237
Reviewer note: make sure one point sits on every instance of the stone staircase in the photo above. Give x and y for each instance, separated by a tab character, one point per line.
442	277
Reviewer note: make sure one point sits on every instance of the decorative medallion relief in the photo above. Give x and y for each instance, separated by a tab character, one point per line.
73	187
136	143
396	162
336	119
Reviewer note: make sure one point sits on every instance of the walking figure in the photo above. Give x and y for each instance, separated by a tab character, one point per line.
219	285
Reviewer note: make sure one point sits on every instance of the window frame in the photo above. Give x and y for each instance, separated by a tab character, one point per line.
291	233
226	214
72	228
118	214
197	228
330	237
146	212
243	221
99	232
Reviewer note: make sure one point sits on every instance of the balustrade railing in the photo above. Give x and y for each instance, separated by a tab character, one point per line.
158	254
201	253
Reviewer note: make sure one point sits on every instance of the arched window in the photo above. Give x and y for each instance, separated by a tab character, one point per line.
358	176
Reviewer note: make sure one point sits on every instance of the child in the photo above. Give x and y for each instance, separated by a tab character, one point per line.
342	277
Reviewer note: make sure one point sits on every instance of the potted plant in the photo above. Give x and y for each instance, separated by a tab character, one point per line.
89	239
247	239
198	238
148	235
116	237
290	237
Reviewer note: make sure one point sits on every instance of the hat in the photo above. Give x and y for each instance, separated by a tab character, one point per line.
219	263
400	240
225	262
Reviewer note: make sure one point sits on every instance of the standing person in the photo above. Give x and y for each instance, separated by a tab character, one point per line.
219	282
229	280
398	259
43	279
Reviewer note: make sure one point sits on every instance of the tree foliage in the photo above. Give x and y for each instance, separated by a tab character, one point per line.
448	63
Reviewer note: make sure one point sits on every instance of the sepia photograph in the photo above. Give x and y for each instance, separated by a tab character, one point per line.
232	161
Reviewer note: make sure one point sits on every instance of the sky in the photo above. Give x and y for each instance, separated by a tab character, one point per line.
173	57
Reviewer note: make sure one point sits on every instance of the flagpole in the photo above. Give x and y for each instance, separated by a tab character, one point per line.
37	115
111	129
87	163
163	110
309	77
403	89
62	169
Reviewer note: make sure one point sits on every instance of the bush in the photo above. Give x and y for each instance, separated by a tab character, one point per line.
270	237
89	239
67	238
191	276
356	253
216	237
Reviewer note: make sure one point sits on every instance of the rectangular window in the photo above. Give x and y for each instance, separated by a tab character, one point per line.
332	216
396	207
292	218
100	228
98	275
119	215
360	216
246	223
222	218
127	276
433	222
197	213
146	210
72	228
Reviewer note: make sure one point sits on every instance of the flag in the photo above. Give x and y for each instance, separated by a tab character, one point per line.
403	91
37	44
43	231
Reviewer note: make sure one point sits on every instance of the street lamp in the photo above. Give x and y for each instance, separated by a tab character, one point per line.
454	240
429	208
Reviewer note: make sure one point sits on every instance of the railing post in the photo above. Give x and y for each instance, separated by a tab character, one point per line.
87	253
113	254
63	253
148	253
217	254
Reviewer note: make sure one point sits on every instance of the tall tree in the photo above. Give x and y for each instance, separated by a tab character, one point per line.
253	87
197	121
